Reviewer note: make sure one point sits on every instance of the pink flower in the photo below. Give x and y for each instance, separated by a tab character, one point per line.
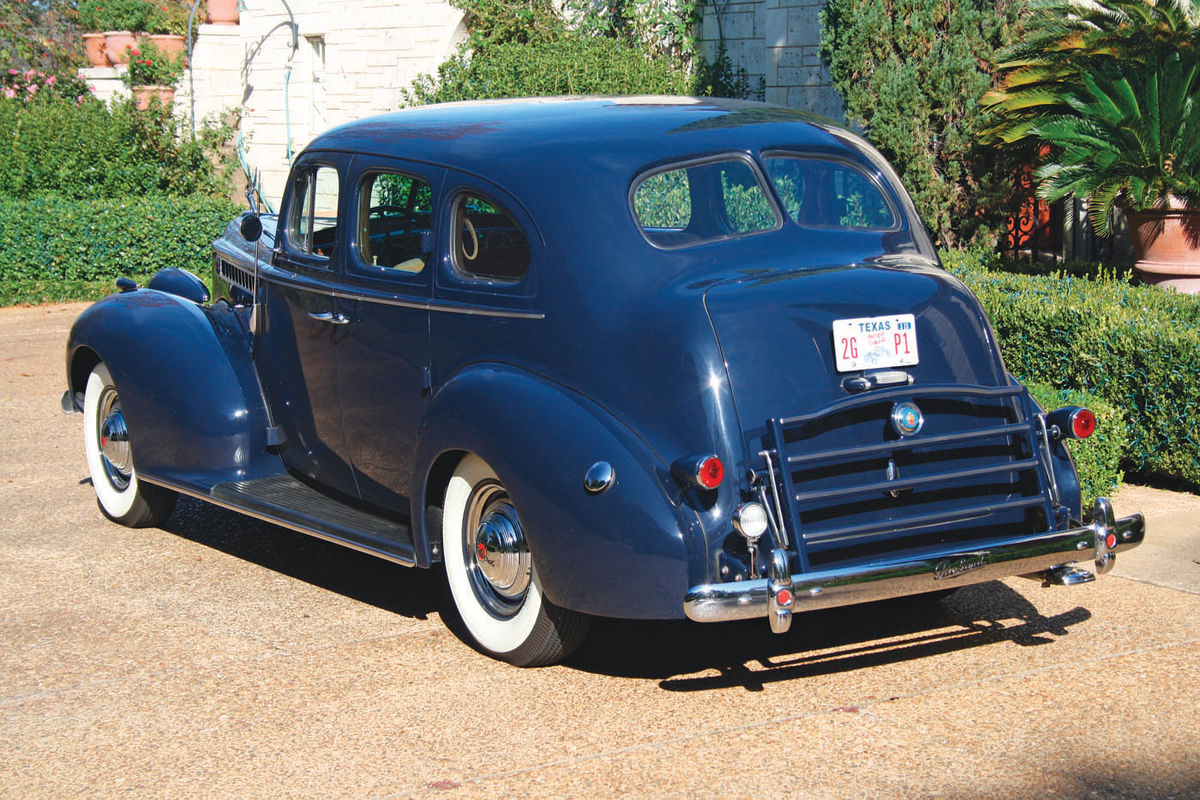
10	92
13	72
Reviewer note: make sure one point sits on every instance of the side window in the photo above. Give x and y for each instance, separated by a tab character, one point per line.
702	201
488	242
829	194
395	218
312	217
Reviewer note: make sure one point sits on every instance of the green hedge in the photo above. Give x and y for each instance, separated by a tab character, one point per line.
1098	457
83	149
56	249
1138	347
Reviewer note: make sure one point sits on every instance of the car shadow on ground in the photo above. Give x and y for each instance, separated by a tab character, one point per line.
414	593
671	652
746	654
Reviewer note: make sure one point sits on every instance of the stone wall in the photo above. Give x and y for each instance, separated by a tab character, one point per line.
350	59
778	43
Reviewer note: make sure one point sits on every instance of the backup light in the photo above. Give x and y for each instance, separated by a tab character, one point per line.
750	520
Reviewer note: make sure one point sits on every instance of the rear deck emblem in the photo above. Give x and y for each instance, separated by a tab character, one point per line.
907	418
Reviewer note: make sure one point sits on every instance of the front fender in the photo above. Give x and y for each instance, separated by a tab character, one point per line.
619	553
187	385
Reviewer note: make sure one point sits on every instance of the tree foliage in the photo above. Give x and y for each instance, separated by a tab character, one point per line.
912	73
39	35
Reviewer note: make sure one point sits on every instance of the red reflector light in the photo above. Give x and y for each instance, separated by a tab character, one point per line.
783	597
1110	541
710	473
1083	423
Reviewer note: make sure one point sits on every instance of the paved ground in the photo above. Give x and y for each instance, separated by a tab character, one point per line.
222	657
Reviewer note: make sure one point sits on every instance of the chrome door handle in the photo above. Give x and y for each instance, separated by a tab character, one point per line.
328	316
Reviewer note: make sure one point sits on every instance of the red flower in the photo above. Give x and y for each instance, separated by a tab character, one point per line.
135	51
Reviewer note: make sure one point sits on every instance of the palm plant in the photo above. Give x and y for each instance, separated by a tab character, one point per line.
1113	86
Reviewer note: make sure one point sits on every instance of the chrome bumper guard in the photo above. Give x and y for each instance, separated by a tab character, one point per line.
1045	556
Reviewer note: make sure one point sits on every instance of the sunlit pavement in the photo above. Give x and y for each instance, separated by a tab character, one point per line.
228	658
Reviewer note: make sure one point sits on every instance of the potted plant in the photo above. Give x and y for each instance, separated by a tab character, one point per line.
1114	88
93	37
120	20
152	73
167	27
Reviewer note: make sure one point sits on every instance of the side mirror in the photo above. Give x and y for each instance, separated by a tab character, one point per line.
251	227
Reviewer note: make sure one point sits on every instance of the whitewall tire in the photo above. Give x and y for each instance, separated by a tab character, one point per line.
119	493
492	576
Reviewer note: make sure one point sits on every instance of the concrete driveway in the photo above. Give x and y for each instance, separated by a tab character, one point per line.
223	657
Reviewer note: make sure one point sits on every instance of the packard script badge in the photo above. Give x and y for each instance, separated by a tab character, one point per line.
907	418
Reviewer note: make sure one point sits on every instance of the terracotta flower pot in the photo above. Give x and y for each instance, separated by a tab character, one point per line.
223	12
1166	242
93	45
117	44
142	95
170	44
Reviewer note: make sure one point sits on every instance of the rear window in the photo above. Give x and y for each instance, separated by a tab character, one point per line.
702	201
823	193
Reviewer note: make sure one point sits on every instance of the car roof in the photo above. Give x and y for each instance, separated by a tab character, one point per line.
614	133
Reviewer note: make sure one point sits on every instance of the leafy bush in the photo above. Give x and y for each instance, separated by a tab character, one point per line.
1138	347
526	48
59	249
912	74
566	66
1098	457
85	149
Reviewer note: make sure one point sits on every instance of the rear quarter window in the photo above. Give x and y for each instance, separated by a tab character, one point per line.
824	193
702	201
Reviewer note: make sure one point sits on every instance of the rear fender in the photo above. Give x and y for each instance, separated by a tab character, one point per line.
621	552
187	385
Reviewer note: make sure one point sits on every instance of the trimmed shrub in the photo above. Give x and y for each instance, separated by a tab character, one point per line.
565	66
83	149
65	250
1098	457
1138	347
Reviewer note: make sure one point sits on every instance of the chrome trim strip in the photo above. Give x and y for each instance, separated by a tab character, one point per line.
943	569
199	495
323	288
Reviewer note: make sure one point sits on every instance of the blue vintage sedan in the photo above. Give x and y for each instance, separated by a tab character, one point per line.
631	357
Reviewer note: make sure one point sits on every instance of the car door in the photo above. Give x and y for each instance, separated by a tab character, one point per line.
296	349
485	306
384	356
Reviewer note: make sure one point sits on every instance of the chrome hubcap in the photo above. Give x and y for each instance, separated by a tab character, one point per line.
114	441
495	551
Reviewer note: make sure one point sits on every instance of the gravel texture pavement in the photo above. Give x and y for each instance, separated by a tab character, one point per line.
223	657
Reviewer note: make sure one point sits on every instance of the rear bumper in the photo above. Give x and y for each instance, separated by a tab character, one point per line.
1041	555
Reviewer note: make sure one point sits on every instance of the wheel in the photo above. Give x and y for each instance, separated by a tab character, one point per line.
492	576
119	493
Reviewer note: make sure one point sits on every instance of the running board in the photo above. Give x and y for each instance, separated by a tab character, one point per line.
285	501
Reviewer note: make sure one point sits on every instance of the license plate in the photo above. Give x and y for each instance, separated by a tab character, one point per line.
875	342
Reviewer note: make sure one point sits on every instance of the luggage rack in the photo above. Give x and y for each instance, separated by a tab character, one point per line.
953	482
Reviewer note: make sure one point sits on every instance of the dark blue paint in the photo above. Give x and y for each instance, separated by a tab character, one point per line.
609	349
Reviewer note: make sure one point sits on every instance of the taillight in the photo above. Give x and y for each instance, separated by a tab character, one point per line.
1074	422
1083	424
705	471
710	472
